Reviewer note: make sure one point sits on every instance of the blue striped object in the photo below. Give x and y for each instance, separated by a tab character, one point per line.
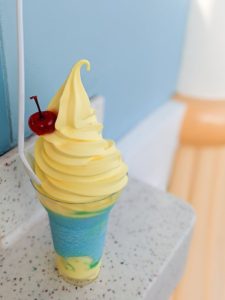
75	237
5	118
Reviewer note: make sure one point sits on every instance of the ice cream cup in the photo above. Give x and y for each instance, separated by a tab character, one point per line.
78	233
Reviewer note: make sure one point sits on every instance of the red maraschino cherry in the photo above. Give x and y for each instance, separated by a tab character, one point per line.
42	122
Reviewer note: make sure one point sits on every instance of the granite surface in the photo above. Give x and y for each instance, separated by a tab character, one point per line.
17	199
146	245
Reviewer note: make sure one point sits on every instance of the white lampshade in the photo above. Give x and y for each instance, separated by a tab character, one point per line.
202	72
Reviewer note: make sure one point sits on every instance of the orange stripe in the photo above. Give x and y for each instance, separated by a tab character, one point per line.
204	122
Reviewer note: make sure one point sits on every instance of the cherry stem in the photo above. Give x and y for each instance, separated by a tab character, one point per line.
35	98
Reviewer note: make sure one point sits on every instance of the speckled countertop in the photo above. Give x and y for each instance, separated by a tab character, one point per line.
146	245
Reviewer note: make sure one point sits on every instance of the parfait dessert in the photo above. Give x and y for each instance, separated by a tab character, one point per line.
82	176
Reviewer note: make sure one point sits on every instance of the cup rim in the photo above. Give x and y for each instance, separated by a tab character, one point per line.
83	203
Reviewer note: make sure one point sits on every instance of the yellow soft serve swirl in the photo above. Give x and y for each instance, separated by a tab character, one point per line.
74	163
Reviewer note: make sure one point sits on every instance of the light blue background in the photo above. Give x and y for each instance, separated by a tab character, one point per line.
134	47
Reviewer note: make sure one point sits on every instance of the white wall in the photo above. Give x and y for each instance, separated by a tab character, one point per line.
203	67
150	147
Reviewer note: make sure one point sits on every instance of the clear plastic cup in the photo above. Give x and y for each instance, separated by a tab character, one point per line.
78	233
